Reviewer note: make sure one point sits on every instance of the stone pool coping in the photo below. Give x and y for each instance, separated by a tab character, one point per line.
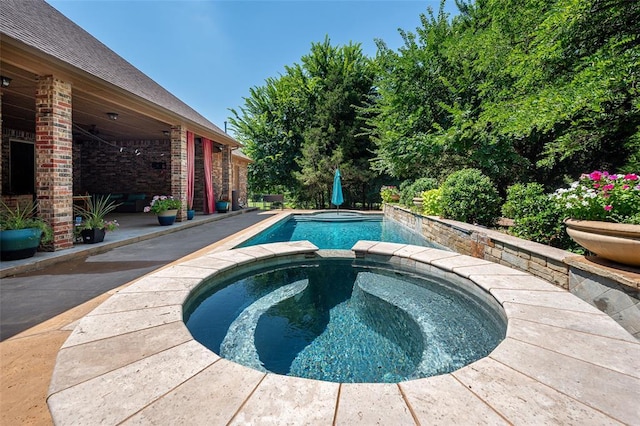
132	360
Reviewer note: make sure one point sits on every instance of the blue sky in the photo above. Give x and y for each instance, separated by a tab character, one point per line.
210	53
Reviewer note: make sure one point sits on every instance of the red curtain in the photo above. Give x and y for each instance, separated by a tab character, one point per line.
209	199
191	167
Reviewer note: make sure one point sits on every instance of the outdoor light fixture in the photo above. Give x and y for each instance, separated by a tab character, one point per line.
6	81
165	132
113	115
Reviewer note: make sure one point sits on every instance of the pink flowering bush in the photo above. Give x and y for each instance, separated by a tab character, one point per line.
602	196
162	203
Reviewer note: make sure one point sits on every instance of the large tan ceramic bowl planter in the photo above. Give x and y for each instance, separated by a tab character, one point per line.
619	242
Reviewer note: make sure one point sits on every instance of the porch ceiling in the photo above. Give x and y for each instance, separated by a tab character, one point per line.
90	109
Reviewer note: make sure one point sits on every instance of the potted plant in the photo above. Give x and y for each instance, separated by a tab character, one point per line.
390	194
604	214
222	205
165	207
191	213
94	226
21	232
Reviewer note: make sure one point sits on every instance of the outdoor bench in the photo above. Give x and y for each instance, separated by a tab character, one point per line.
273	199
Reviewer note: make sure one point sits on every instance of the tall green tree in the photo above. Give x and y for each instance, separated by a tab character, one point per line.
270	125
302	126
522	89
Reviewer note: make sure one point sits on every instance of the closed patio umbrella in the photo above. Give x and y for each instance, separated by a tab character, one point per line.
336	195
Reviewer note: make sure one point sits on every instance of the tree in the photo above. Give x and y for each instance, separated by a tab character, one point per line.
524	90
300	127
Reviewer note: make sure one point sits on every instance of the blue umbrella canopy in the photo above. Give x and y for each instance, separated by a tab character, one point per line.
336	195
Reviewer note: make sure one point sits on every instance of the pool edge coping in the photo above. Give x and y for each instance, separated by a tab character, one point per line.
169	288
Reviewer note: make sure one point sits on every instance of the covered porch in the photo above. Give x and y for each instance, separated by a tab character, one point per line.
78	120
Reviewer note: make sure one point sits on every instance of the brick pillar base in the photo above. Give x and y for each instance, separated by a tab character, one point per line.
54	160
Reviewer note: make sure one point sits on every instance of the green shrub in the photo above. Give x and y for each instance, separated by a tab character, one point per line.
470	196
389	193
432	202
409	190
537	217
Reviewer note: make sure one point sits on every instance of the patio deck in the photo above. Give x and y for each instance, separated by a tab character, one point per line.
134	227
563	362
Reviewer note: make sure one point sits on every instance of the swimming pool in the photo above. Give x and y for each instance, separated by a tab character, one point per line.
339	321
328	230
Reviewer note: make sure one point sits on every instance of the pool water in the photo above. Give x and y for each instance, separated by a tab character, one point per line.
334	321
329	231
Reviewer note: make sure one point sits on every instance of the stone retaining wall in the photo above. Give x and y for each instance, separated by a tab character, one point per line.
537	259
606	286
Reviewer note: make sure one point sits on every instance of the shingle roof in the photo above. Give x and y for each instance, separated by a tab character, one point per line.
39	25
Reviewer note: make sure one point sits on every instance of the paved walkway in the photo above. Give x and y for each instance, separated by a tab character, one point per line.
51	283
39	308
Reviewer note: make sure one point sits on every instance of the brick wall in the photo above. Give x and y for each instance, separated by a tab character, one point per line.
179	168
124	167
128	166
225	165
240	168
198	183
218	185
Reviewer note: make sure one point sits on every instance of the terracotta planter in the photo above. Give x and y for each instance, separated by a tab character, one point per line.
619	242
167	217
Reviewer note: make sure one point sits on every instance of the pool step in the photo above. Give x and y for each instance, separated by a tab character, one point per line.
413	300
338	217
238	344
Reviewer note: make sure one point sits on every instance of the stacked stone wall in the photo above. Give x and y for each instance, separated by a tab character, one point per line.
608	287
537	259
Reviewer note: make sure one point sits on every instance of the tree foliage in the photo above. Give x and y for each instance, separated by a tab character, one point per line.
302	126
524	90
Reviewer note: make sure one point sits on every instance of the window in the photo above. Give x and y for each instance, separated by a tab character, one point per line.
22	167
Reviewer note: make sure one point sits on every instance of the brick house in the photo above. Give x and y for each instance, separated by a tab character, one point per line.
78	119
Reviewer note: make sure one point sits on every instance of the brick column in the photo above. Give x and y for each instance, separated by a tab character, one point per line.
226	170
1	141
179	168
54	168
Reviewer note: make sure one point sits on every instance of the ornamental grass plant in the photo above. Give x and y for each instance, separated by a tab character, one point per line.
93	217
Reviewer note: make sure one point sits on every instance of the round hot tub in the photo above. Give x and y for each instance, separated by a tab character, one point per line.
343	320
